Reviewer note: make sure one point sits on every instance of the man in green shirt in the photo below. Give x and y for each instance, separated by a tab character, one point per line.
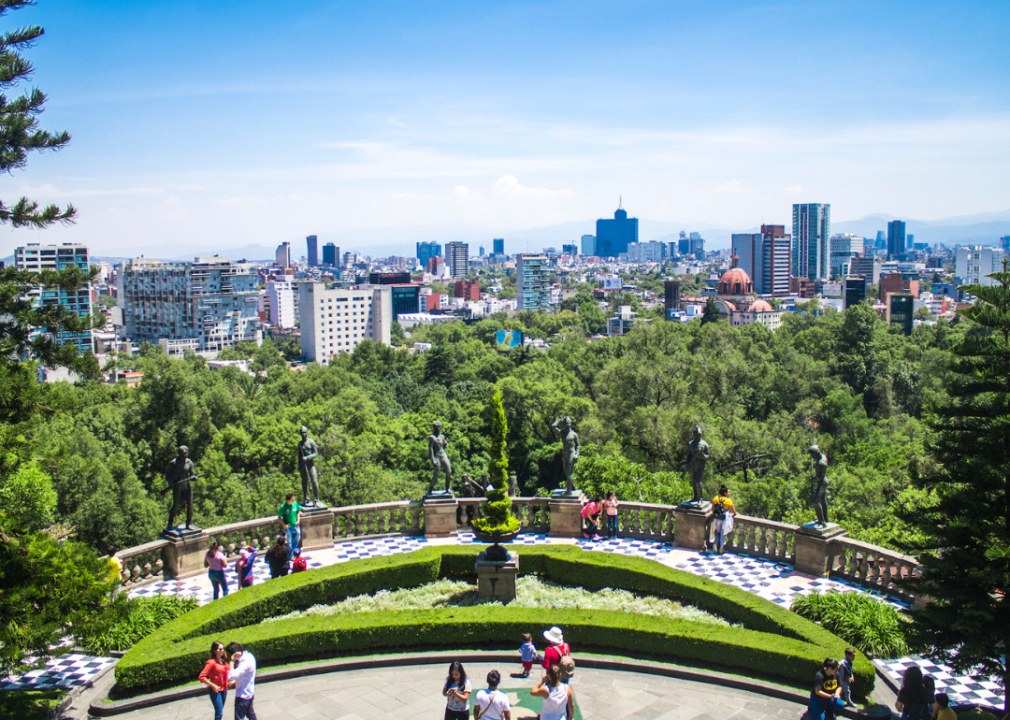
290	513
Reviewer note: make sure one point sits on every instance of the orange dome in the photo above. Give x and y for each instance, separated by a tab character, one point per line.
760	306
735	281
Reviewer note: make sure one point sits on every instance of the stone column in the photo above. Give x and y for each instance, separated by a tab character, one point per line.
566	513
439	515
317	527
497	580
689	521
183	556
810	552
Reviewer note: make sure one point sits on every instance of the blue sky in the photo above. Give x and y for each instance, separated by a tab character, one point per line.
255	122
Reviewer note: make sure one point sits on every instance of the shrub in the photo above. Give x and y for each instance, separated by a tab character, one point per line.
141	617
870	625
498	509
774	642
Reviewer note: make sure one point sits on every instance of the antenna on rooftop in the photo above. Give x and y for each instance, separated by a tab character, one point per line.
620	200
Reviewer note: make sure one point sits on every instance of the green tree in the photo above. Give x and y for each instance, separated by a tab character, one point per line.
497	513
965	522
710	313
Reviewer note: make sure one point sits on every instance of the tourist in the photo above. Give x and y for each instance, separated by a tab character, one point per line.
721	520
457	693
845	676
941	707
557	653
824	697
299	563
244	566
611	505
559	701
216	563
913	702
929	689
527	654
215	676
290	513
591	514
492	704
243	679
277	558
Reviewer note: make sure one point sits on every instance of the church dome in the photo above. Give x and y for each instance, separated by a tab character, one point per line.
760	306
735	281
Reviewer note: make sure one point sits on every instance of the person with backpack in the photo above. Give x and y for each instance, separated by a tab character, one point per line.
277	557
492	704
913	703
558	699
299	563
720	522
558	653
244	566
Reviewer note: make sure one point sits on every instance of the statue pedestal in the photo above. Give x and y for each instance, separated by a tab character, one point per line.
439	514
566	513
810	551
317	527
497	580
183	556
689	520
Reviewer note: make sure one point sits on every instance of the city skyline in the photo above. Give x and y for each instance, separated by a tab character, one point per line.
185	132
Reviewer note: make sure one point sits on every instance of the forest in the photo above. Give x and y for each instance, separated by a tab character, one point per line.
844	380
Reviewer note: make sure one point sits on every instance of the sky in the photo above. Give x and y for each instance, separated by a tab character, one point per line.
249	122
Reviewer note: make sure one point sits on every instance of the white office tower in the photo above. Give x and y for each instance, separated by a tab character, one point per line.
973	264
336	321
281	294
205	306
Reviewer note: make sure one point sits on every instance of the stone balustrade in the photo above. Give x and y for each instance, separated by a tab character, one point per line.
808	550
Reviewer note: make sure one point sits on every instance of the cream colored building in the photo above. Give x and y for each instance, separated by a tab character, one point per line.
338	320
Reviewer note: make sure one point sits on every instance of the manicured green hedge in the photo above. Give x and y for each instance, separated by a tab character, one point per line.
775	642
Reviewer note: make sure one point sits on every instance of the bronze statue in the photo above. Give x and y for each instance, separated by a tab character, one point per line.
562	428
308	451
437	443
819	478
180	474
697	457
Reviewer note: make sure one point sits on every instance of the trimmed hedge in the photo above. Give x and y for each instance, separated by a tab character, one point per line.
776	642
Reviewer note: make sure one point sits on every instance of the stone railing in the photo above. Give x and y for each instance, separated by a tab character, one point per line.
872	566
378	520
818	552
762	538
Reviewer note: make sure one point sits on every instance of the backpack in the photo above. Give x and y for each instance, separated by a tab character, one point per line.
566	666
719	510
299	565
917	711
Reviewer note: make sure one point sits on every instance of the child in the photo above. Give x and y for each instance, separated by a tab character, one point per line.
591	514
244	566
610	504
299	564
527	653
845	676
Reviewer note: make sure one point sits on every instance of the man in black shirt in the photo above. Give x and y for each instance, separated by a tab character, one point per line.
825	696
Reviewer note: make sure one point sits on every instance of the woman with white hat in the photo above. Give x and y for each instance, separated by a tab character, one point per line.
557	649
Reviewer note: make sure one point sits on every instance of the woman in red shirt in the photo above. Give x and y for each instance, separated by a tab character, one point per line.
215	676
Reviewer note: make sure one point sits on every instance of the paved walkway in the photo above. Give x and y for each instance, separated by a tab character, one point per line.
415	692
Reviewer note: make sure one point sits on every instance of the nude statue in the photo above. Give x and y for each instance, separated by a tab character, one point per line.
562	428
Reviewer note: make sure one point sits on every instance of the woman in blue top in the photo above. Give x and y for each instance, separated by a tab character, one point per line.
457	692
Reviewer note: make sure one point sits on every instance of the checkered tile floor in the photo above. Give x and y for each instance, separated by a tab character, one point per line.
771	580
65	671
962	689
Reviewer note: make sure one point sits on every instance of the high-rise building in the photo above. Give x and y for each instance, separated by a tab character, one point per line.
569	249
35	257
532	282
337	320
900	311
867	267
811	230
467	289
457	257
697	246
898	283
589	245
764	256
427	250
313	254
281	296
331	255
881	243
895	239
647	252
855	290
282	258
206	305
683	244
973	264
614	236
843	247
499	246
1004	242
671	296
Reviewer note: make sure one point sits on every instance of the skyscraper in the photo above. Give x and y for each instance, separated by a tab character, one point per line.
36	257
811	230
589	245
532	282
614	236
683	244
426	250
895	239
313	254
282	258
697	246
331	255
765	257
499	246
457	257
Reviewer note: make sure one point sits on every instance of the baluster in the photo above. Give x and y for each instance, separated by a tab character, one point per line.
874	576
885	573
636	522
370	521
